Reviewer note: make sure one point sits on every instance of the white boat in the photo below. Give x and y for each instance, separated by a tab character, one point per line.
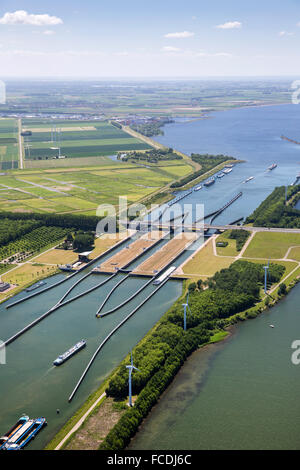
198	188
228	170
249	179
272	326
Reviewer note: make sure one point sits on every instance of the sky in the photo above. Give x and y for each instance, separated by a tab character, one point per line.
157	38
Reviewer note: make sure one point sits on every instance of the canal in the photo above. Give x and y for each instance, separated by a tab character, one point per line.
242	393
30	384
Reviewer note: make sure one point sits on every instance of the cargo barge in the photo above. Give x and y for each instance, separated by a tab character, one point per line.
22	433
209	182
36	286
68	354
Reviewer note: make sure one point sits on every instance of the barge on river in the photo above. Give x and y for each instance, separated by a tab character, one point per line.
22	433
68	354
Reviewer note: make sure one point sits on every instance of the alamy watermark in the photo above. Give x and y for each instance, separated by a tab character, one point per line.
296	354
173	218
2	92
2	353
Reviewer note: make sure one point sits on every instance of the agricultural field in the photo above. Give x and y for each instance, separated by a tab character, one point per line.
83	189
163	98
76	139
9	147
271	245
204	263
207	261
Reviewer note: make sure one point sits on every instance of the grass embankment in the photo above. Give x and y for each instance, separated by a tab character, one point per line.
217	335
264	246
271	245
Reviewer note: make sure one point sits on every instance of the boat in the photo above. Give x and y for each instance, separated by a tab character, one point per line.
228	170
272	167
36	286
198	188
22	433
220	175
249	179
68	354
272	326
209	182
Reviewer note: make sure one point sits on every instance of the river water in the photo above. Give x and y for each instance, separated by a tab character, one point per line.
242	393
30	384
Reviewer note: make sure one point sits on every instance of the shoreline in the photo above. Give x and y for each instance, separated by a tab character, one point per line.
230	328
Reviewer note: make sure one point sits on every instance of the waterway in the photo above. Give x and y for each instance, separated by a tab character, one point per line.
242	393
29	383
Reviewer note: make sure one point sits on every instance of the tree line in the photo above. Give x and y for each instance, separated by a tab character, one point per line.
164	349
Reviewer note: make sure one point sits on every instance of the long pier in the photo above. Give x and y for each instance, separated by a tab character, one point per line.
52	310
110	293
110	335
237	196
70	276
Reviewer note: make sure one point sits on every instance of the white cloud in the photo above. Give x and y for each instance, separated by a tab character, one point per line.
170	49
230	25
182	34
285	33
122	53
216	54
23	17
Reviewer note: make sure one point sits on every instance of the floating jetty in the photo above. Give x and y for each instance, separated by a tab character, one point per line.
71	275
110	335
237	196
179	198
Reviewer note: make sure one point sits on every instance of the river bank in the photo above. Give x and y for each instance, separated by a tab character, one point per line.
239	394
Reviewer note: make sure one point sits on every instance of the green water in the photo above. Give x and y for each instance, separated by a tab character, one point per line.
30	384
242	393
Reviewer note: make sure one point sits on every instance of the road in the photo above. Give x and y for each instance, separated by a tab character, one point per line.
200	227
21	162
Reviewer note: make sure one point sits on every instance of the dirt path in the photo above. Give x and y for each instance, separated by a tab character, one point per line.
95	428
21	161
79	423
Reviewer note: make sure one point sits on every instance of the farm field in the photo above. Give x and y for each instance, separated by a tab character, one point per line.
205	263
76	139
83	189
271	245
9	148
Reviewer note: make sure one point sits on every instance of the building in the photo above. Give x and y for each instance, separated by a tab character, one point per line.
4	286
84	257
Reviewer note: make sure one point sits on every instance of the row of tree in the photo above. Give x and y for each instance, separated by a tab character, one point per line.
273	212
207	162
162	352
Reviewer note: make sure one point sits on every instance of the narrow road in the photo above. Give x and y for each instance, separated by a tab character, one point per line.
21	162
80	422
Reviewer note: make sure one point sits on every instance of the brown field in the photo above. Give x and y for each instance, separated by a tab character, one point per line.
56	257
166	254
130	252
104	242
